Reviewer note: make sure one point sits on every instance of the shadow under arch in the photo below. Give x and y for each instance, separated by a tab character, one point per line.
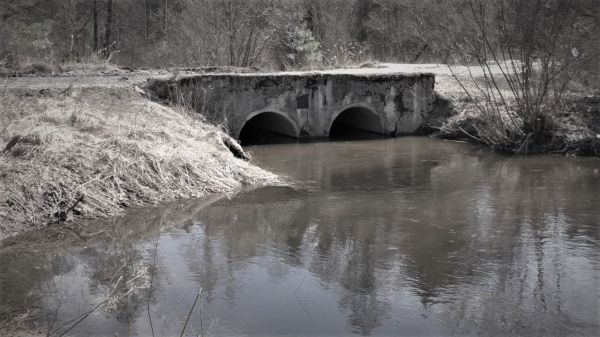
356	122
268	127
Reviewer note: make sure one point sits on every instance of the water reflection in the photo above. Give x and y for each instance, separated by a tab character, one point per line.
405	236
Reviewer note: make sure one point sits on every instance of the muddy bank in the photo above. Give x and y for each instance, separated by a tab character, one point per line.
75	153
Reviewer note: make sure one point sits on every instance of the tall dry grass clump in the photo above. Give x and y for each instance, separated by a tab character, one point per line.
66	154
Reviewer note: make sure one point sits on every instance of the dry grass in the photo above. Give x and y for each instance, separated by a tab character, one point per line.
92	152
87	68
93	64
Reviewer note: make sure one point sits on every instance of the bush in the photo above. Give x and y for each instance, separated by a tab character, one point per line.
521	48
26	44
297	47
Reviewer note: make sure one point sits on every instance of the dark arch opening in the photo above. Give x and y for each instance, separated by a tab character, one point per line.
267	128
356	123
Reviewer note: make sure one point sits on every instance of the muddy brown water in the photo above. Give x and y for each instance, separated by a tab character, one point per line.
406	236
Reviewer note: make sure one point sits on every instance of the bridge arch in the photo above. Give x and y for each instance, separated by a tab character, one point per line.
267	126
356	121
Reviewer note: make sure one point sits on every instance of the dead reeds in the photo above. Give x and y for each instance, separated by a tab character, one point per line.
93	152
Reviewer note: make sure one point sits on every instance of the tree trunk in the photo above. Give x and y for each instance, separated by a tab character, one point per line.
165	21
230	24
146	40
361	12
95	15
108	32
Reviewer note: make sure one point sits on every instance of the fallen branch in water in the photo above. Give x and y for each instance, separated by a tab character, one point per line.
55	317
82	317
190	314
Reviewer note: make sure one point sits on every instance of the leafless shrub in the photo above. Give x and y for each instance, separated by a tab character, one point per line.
520	47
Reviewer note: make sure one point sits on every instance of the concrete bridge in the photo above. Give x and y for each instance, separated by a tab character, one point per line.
307	105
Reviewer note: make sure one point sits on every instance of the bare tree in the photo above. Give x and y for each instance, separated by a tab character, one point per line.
108	28
520	49
265	32
95	16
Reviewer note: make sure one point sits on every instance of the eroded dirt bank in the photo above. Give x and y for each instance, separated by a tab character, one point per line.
76	152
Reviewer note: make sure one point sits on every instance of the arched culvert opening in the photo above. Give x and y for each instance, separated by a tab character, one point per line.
356	123
268	128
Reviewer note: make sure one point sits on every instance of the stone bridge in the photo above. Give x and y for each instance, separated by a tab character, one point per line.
307	105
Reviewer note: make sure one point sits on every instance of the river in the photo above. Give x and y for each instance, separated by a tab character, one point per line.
408	236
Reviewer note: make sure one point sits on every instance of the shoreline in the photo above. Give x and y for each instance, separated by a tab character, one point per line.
50	127
574	132
83	153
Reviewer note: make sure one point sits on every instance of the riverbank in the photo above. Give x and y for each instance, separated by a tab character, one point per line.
83	152
574	128
87	144
574	131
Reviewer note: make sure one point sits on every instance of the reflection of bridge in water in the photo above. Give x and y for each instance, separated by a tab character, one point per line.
258	106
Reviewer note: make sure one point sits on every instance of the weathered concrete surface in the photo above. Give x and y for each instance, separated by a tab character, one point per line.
309	102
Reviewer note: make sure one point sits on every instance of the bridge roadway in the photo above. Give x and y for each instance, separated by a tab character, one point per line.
307	105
